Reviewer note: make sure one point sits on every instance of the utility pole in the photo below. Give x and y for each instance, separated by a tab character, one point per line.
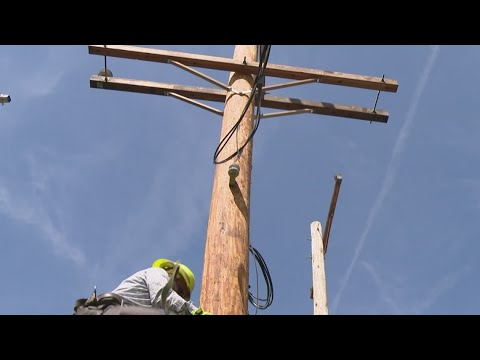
319	290
225	267
225	273
319	250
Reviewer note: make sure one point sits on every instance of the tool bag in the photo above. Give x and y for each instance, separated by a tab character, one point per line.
97	305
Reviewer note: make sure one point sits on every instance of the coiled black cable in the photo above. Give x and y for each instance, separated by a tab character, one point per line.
255	300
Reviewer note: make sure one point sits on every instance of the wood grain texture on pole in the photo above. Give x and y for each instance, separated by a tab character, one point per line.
320	304
225	270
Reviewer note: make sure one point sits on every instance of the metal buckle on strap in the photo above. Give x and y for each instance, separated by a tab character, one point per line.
111	299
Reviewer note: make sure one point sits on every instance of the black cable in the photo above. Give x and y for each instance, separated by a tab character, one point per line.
256	87
230	133
254	300
256	280
259	82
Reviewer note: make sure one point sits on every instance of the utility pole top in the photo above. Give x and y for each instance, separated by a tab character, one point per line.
226	268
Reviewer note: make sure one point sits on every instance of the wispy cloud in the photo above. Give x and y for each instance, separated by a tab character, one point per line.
441	287
43	83
431	295
51	64
172	210
23	211
25	81
44	80
147	224
391	169
382	287
473	186
39	198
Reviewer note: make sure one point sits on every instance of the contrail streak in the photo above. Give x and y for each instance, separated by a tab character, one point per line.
391	169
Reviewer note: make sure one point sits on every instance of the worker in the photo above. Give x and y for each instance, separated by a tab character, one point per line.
163	289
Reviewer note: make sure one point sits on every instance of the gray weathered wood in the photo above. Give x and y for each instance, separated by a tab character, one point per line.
320	304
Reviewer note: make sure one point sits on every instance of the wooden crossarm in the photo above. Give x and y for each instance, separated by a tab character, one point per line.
219	95
251	67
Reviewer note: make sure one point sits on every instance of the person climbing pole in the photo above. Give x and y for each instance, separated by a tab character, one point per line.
163	289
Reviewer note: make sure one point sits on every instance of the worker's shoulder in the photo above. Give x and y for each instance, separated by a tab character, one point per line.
153	271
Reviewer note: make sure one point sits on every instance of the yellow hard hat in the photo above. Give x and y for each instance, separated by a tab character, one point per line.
184	271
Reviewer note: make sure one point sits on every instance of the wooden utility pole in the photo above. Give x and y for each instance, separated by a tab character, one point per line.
225	267
319	251
320	304
225	274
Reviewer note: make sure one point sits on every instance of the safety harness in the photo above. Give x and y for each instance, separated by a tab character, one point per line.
97	305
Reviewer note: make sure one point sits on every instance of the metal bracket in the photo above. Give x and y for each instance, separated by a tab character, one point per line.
199	74
331	211
285	113
289	84
196	103
378	94
241	92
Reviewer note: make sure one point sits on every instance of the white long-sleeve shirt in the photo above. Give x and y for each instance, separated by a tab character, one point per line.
143	287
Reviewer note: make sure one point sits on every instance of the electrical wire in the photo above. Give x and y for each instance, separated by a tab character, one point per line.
256	278
255	300
235	127
257	87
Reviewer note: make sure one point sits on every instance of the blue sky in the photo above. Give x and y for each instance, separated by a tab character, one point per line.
96	184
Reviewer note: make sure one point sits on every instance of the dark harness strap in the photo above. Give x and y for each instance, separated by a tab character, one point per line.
96	305
112	299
